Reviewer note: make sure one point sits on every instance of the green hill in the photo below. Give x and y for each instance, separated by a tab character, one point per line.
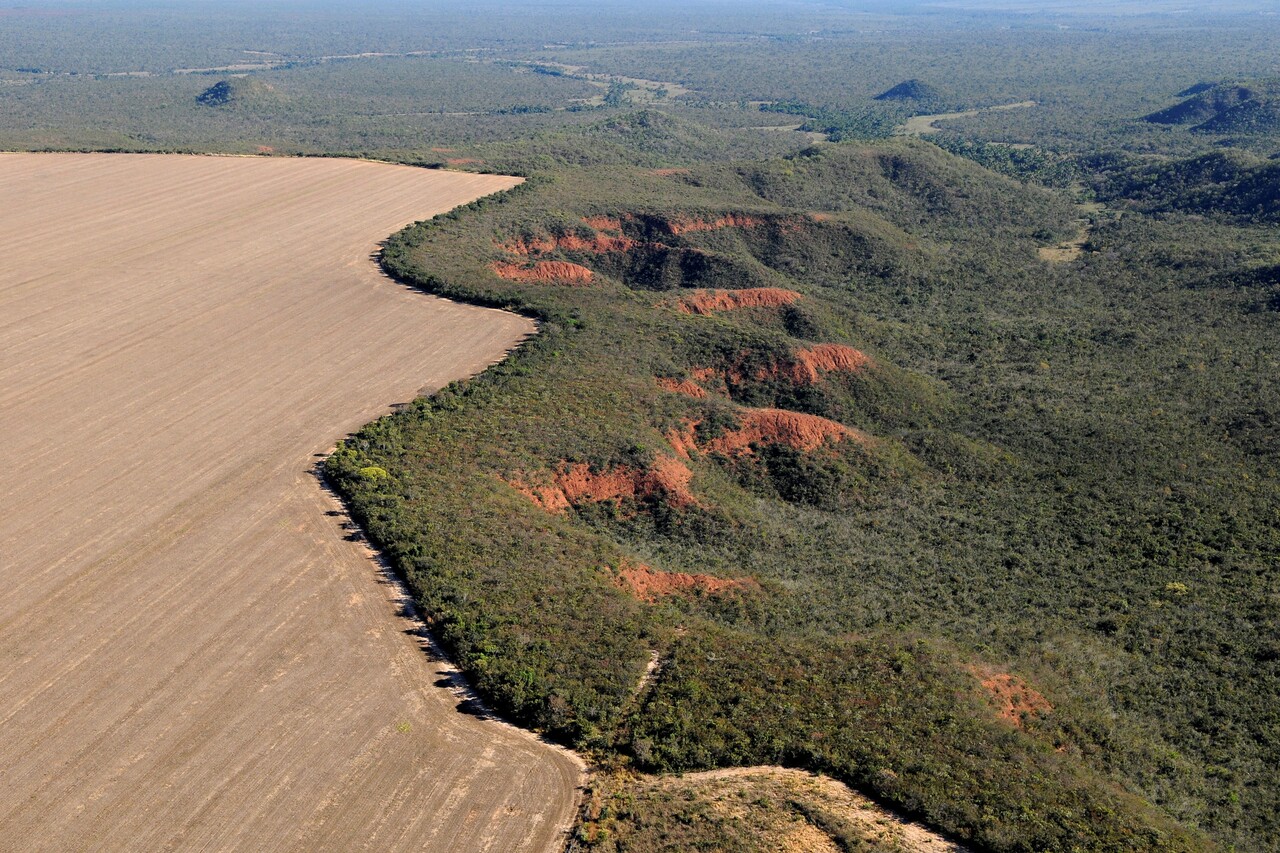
1196	88
244	91
874	483
1241	108
1227	183
911	90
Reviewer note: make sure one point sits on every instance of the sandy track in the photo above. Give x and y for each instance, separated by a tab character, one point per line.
191	653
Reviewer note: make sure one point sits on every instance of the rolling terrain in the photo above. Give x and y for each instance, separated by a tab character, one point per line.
871	486
194	650
896	464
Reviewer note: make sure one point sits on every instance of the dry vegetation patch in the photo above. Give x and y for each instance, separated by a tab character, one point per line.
693	225
747	809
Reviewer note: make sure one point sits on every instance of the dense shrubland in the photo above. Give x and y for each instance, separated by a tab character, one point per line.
1064	474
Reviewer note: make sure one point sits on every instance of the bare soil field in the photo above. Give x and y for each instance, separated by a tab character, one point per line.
193	652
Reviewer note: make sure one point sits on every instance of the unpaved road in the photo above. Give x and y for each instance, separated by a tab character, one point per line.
926	124
192	656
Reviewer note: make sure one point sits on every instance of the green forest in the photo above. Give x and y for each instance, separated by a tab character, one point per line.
945	463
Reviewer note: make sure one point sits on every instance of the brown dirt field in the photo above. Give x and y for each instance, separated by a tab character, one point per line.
193	654
710	301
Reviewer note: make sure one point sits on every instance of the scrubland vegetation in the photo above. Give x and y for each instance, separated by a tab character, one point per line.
990	537
1060	472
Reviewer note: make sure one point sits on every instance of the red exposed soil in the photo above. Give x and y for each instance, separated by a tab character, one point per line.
805	367
684	440
615	241
730	220
575	483
672	476
559	272
667	173
597	244
545	495
827	358
648	585
604	223
525	246
682	386
710	301
580	484
1013	698
779	426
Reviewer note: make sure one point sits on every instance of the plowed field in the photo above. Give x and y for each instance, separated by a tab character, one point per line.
193	654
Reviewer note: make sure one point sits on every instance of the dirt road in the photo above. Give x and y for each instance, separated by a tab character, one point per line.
926	124
192	655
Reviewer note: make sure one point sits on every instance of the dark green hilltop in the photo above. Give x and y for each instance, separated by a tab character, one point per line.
1241	107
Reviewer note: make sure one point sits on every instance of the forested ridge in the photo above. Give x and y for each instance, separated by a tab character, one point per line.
1051	476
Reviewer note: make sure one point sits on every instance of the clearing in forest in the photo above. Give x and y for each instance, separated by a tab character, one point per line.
925	124
193	651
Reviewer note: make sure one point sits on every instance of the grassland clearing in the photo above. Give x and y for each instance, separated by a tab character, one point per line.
1073	249
764	808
